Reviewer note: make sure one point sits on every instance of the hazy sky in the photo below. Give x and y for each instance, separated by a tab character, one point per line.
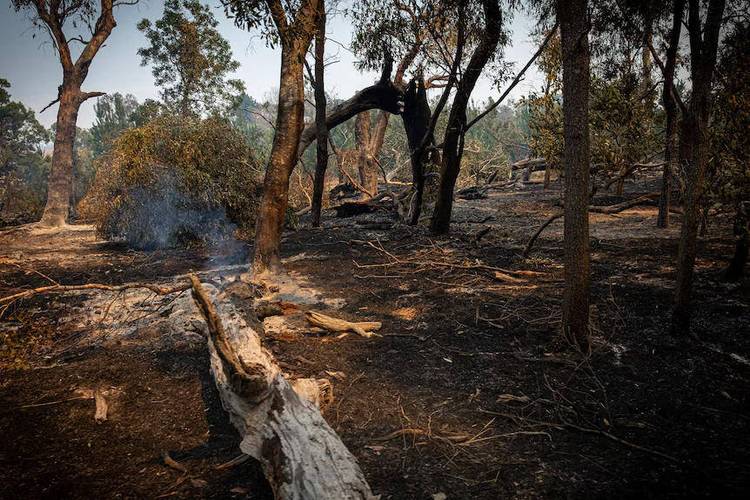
32	67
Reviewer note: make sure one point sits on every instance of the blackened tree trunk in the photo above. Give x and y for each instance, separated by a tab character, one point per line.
416	118
704	43
736	269
289	125
669	100
453	142
573	18
321	163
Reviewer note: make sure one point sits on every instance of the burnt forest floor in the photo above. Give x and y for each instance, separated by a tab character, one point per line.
470	391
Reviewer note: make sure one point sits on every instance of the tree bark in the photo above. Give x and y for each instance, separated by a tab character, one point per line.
321	164
573	18
366	167
60	181
453	142
278	419
416	118
289	124
694	143
671	152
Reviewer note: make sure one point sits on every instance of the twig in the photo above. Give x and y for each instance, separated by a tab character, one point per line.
92	286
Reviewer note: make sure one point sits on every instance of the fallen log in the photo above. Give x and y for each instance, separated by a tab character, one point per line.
598	209
362	328
301	456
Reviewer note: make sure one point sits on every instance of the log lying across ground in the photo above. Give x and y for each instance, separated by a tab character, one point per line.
280	423
597	209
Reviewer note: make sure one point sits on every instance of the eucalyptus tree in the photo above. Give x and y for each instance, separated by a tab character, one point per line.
291	25
487	40
572	16
190	59
112	115
85	22
704	23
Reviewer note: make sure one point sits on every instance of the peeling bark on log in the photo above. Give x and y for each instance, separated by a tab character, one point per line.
301	456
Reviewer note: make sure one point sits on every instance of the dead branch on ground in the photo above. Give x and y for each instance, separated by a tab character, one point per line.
601	209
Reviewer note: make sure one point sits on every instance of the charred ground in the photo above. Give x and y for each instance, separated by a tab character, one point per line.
469	392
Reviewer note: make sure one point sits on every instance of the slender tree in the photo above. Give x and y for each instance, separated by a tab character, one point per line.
694	147
292	25
669	101
321	162
453	141
572	15
54	16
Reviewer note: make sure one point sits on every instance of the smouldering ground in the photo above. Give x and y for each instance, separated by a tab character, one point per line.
470	392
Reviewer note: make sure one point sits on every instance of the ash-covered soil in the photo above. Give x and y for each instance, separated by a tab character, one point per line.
469	392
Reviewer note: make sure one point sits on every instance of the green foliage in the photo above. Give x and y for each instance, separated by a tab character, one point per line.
190	59
23	168
623	118
114	113
172	180
246	118
729	166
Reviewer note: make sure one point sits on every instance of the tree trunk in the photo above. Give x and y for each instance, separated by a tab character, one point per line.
453	141
321	164
366	167
736	269
670	109
694	149
416	118
289	124
572	16
60	182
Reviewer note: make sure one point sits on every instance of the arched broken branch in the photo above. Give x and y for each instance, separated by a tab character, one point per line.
606	209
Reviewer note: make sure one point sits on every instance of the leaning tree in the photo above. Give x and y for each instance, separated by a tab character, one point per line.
56	17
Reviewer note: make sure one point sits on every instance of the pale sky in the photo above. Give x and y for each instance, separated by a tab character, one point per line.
31	66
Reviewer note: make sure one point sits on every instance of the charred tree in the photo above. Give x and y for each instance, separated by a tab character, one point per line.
694	147
384	95
453	142
669	102
53	15
321	163
416	118
572	16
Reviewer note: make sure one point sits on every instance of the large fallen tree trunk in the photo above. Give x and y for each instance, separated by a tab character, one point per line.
280	424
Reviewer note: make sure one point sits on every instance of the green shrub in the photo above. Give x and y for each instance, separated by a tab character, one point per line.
175	179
